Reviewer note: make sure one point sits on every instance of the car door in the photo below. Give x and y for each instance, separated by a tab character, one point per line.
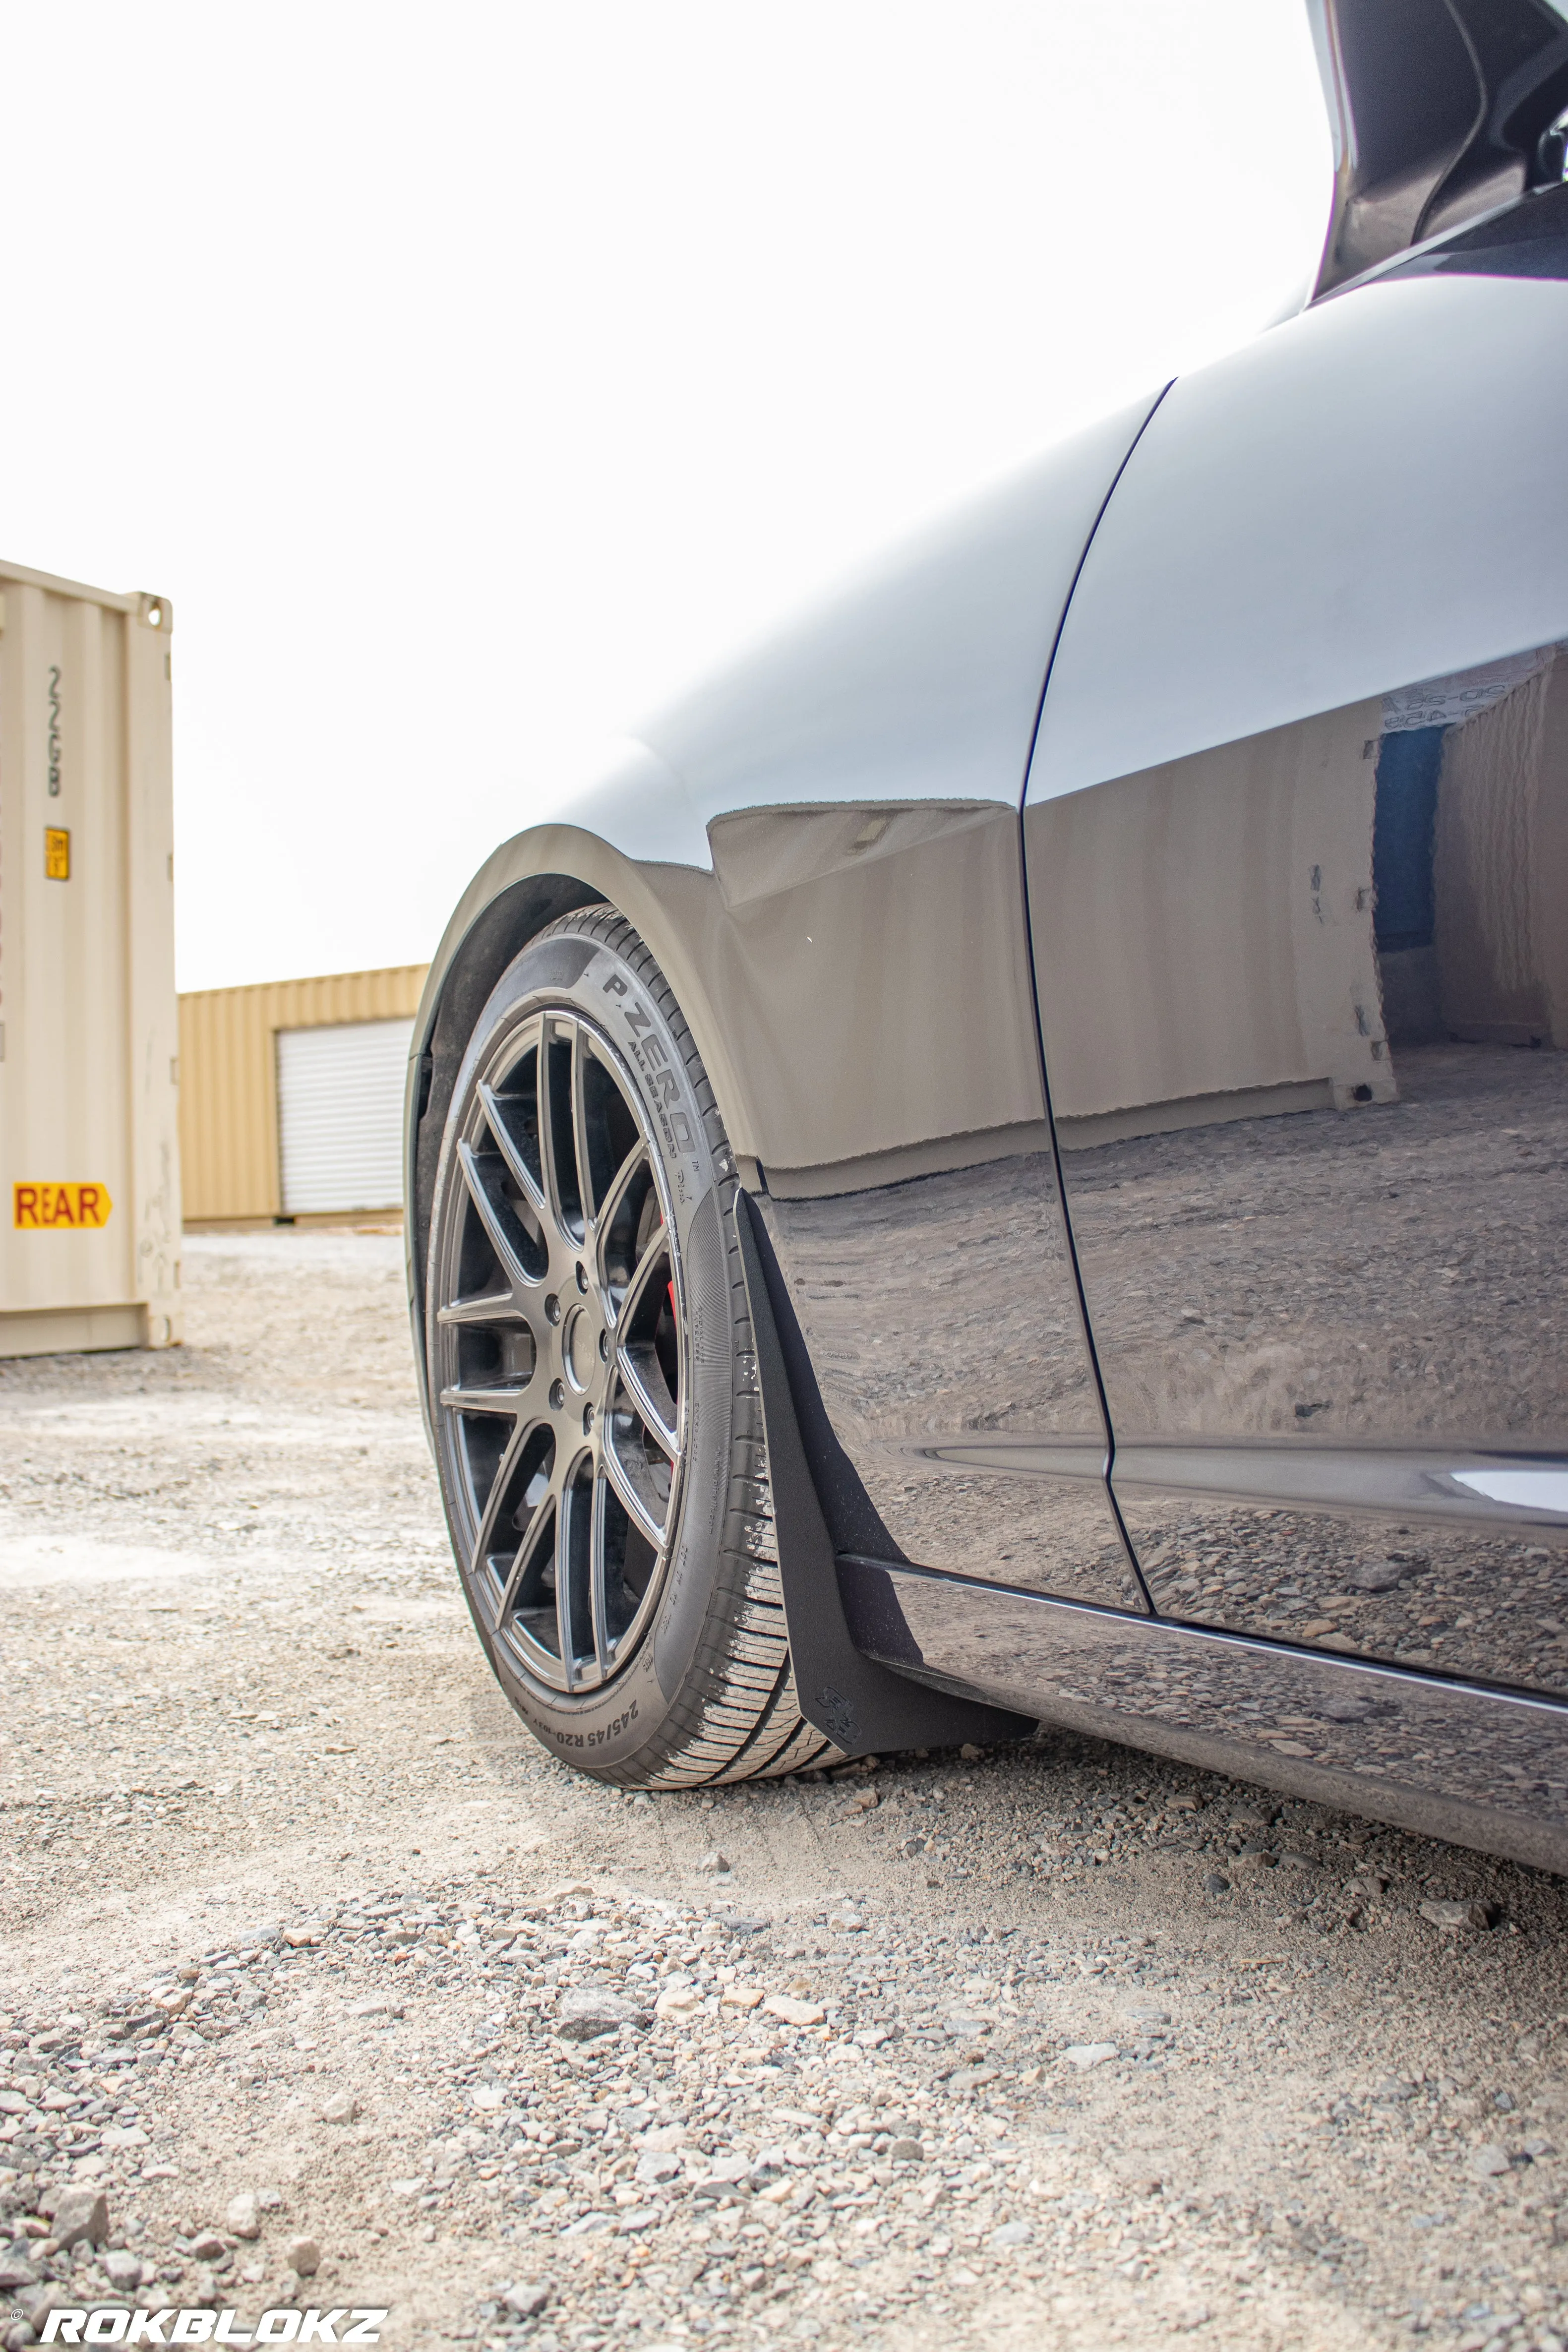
1296	849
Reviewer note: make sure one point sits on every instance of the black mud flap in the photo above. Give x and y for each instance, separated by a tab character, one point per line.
864	1707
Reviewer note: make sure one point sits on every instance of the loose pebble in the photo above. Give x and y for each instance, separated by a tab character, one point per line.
790	2011
583	2016
1453	1916
79	2216
242	2215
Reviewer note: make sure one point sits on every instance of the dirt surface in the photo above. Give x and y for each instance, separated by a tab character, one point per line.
1057	2045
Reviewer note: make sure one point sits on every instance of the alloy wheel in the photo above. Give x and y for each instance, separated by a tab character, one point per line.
557	1339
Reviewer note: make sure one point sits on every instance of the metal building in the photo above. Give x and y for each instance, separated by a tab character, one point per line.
90	1241
291	1104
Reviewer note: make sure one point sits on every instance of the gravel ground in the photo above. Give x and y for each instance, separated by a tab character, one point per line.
313	1957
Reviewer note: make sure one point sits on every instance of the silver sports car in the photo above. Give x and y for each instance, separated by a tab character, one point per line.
1007	1160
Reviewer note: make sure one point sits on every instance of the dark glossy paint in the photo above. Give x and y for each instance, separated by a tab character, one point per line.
820	1508
960	1390
1304	996
1438	1758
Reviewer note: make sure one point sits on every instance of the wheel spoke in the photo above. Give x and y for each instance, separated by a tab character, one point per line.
609	1207
579	1054
496	1396
564	1632
658	1248
598	1580
635	1364
500	1485
511	1266
547	1125
634	1502
522	1173
497	1307
527	1551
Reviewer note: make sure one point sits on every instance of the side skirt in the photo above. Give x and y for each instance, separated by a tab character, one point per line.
1447	1759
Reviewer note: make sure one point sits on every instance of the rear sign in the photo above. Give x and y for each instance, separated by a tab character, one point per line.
59	1208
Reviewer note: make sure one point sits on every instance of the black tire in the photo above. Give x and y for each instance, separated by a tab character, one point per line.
584	1306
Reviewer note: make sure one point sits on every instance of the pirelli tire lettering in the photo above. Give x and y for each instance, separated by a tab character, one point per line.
666	1097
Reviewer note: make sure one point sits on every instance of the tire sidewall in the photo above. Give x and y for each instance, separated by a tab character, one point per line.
607	1729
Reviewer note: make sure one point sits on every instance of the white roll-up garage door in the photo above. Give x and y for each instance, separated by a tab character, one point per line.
340	1115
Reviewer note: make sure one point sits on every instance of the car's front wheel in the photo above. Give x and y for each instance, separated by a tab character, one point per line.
593	1383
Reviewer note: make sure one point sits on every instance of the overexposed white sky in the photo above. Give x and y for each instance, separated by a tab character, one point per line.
470	378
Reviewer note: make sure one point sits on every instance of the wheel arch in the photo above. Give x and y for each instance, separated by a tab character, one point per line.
525	886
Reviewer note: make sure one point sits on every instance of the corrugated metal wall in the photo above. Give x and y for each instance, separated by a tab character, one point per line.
228	1077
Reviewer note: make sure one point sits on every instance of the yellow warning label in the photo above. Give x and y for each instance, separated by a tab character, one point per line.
59	1208
57	854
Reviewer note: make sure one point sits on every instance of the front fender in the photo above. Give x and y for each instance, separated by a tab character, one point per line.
628	836
854	976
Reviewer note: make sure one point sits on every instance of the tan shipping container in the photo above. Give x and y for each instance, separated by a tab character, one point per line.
229	1096
90	1241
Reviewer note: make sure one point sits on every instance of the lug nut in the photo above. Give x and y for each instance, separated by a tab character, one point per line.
552	1308
604	1347
583	1279
587	1420
557	1396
